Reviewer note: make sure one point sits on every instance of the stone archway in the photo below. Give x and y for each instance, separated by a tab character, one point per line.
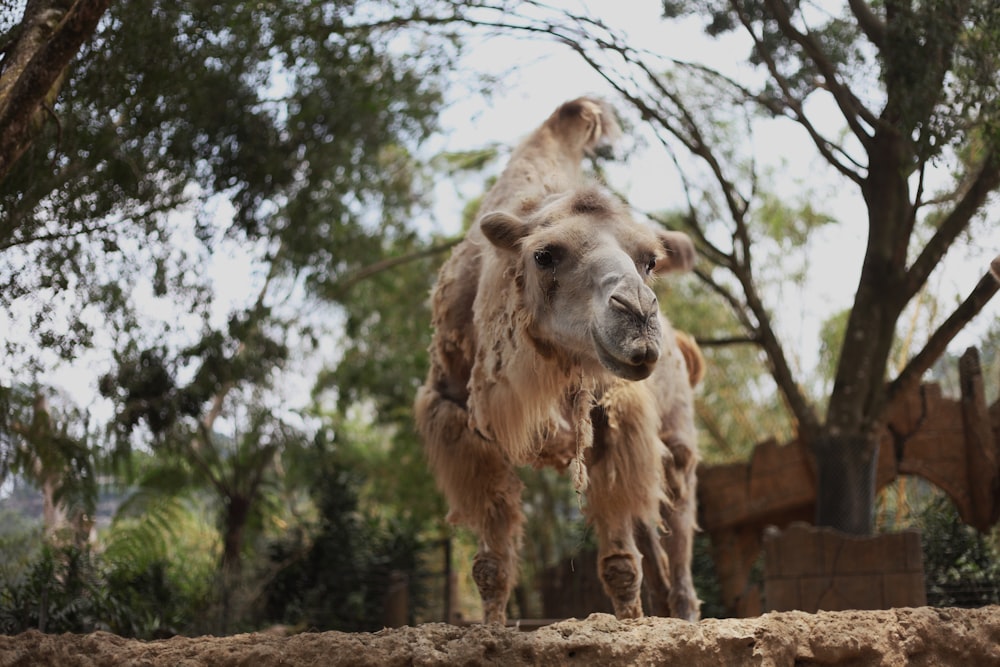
954	444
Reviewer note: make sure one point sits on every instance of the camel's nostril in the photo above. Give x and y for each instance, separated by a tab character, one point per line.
619	302
637	302
645	356
631	308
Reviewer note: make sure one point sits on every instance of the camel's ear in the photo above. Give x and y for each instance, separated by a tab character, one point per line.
680	251
503	230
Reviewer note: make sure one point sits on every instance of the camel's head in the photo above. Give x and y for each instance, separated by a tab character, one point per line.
583	268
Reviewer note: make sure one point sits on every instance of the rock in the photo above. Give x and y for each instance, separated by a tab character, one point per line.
912	637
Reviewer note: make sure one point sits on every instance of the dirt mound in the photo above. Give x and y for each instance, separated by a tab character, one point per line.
922	636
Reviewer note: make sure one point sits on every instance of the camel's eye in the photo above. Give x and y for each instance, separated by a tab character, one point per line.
544	258
650	265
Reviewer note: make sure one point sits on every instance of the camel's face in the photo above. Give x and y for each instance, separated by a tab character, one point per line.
585	268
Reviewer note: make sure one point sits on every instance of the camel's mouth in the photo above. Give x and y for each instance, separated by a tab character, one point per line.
639	367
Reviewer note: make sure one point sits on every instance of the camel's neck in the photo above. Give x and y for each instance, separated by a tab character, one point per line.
517	389
543	165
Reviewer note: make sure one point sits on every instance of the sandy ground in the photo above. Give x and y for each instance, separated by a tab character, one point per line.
910	637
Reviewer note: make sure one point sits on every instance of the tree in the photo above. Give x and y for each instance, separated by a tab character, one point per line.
48	450
189	130
270	125
37	53
914	87
180	420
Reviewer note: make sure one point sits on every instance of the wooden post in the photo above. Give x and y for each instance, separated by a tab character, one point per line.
451	610
981	446
396	607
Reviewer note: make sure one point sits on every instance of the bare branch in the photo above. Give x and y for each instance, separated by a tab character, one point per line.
725	342
790	107
873	27
910	376
695	142
56	236
781	370
850	106
392	262
762	333
986	181
738	307
918	197
709	250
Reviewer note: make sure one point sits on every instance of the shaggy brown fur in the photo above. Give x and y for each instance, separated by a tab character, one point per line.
549	349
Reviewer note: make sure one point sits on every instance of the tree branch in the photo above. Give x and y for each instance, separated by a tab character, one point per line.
791	108
738	308
850	107
725	342
910	376
712	252
795	399
789	105
985	182
762	333
22	99
873	27
678	120
366	272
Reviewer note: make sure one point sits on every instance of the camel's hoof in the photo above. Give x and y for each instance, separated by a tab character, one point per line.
622	581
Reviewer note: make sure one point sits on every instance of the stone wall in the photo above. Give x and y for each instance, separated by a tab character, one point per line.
810	569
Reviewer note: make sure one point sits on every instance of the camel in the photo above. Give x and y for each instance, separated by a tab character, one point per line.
549	348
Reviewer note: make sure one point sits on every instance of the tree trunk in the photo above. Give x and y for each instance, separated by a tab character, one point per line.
50	35
846	465
846	448
53	514
235	519
237	511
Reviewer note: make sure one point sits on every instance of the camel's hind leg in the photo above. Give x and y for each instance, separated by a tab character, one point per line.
680	523
667	553
666	562
655	565
483	493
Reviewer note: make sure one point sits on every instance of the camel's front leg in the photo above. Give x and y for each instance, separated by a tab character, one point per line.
483	493
626	488
494	568
619	566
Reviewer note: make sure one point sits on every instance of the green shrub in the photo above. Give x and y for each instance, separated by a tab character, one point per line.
961	565
70	589
339	581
